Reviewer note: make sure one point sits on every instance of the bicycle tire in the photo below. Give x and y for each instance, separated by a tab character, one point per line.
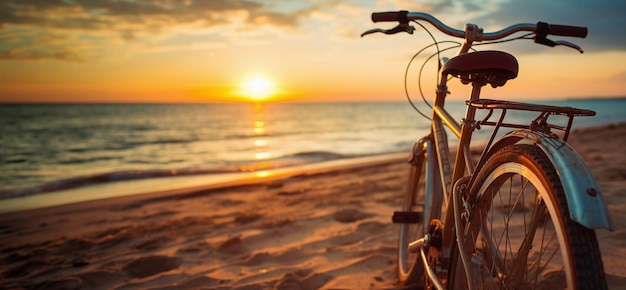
498	257
410	269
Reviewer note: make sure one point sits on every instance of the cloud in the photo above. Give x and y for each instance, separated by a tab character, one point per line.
104	14
121	20
82	30
33	44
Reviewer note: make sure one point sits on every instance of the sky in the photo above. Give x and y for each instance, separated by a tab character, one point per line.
284	50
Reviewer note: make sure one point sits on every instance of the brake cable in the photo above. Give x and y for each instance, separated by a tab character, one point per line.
439	64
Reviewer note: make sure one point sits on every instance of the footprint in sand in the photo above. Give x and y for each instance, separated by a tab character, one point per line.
152	265
61	283
233	246
27	268
100	279
302	279
350	215
247	217
289	257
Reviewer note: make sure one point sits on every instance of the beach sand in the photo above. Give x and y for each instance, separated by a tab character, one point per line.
324	230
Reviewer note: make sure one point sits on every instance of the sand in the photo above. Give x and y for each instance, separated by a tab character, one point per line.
324	230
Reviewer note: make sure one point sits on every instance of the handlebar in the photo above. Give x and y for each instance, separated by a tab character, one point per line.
566	30
542	29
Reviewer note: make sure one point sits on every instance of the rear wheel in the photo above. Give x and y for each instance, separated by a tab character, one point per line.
518	233
423	194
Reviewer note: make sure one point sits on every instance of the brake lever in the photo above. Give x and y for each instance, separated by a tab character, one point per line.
372	31
551	43
569	44
400	28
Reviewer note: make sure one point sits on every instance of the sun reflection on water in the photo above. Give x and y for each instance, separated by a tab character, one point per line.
260	143
262	174
261	154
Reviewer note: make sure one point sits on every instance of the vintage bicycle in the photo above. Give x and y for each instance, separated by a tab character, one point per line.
522	215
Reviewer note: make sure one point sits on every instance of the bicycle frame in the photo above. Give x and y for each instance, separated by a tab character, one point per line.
463	161
532	152
580	187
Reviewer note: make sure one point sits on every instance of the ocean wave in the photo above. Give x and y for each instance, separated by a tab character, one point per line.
256	135
124	145
317	155
81	181
240	136
86	160
129	175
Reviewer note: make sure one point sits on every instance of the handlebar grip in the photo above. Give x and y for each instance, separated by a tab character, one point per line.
392	16
561	30
566	30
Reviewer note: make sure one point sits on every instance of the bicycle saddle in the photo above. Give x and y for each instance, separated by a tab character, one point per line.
484	67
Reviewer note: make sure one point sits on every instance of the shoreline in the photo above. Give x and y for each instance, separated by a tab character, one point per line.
176	184
324	228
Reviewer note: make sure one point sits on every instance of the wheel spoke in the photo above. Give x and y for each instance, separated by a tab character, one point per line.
510	260
518	267
519	232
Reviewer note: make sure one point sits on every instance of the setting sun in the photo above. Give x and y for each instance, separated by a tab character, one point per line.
258	89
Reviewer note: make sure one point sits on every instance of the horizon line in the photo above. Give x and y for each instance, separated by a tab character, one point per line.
100	102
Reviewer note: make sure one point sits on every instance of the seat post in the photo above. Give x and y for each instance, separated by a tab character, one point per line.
471	111
463	159
476	87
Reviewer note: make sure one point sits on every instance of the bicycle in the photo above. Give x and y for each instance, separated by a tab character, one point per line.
524	214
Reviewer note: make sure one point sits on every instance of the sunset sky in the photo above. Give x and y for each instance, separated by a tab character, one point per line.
296	50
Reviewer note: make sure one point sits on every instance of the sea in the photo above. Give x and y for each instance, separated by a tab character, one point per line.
47	148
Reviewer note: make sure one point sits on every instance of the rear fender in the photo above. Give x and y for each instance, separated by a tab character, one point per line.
584	199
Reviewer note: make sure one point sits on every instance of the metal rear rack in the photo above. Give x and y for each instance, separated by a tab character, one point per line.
553	110
538	124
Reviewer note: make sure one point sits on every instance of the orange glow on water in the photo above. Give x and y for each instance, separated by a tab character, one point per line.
262	174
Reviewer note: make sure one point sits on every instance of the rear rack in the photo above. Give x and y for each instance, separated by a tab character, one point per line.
539	124
553	110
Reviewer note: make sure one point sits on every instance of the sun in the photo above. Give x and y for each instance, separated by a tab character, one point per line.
258	89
